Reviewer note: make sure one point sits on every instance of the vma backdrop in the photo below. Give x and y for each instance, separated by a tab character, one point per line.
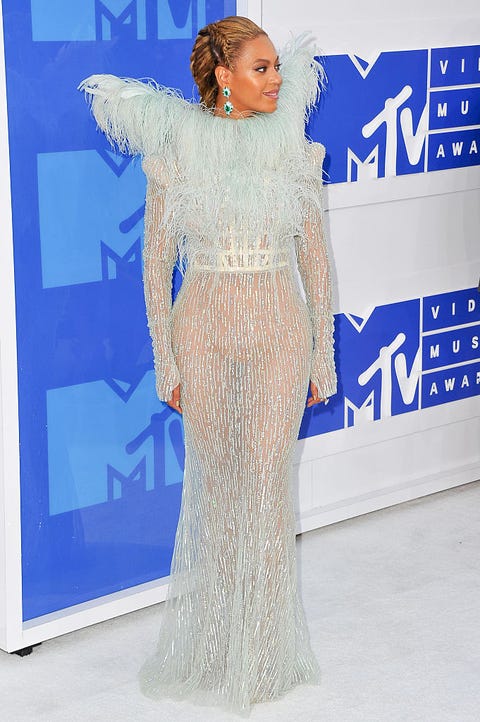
101	458
395	114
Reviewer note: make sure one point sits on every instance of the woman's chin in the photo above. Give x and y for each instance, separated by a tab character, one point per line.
268	106
271	109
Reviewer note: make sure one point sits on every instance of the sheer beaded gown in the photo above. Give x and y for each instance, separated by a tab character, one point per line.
237	203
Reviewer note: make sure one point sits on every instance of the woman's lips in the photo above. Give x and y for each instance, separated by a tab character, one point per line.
272	94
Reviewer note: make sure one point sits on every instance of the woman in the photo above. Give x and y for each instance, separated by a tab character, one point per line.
235	188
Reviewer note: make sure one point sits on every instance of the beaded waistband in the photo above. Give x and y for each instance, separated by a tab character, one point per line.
249	260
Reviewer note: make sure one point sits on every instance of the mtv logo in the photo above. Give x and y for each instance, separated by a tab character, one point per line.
380	372
93	205
87	20
103	446
378	362
373	117
141	19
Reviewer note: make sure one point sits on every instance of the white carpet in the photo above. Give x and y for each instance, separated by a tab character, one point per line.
393	602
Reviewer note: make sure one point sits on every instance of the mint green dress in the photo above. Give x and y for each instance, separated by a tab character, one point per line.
240	202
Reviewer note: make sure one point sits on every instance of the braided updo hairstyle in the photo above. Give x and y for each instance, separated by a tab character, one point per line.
219	44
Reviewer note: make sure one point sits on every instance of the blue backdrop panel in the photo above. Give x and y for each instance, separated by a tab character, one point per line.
101	457
357	122
400	112
400	358
378	364
71	254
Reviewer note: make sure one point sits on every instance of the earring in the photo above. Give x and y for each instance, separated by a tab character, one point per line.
228	107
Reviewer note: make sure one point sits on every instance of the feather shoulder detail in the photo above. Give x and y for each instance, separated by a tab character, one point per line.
304	77
137	116
141	117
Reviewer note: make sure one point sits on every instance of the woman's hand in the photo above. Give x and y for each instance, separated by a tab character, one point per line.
174	402
313	399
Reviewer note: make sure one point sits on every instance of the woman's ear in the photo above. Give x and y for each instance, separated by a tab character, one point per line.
223	76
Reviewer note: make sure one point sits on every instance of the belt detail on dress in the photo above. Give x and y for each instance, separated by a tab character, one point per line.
247	260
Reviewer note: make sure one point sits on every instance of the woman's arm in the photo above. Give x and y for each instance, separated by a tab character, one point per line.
313	264
159	256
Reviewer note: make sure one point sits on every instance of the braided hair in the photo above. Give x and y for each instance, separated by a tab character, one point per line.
219	43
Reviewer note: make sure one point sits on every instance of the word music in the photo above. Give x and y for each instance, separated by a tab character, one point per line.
456	344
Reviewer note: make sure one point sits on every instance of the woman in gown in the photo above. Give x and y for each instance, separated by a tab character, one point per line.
235	190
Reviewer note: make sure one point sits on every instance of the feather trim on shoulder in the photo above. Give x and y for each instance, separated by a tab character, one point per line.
304	77
136	116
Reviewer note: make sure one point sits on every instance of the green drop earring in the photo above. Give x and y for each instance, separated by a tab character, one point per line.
228	107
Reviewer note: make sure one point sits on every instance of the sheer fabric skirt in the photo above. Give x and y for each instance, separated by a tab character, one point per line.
234	631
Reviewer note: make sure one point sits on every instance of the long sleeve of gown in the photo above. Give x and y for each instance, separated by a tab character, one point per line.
159	255
313	265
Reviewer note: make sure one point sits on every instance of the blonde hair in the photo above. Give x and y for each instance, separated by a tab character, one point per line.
219	43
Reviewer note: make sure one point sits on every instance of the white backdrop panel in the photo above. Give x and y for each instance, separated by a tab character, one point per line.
346	26
392	239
